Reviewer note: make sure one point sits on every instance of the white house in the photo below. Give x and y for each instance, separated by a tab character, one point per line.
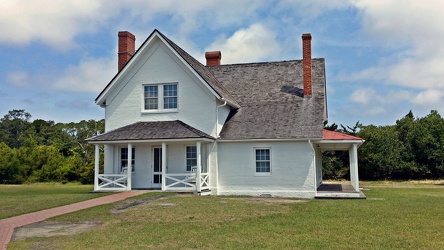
238	129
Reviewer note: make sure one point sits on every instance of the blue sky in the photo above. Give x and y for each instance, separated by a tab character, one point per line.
383	58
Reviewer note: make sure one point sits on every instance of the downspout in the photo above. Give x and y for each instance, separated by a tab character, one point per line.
314	164
217	116
215	144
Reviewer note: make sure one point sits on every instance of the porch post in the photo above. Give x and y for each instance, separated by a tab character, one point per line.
96	167
163	165
354	178
199	167
130	166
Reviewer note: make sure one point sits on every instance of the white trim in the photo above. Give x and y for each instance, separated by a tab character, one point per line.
164	159
152	141
130	165
340	141
160	98
96	167
267	140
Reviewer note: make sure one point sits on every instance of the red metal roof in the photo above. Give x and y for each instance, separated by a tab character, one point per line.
334	135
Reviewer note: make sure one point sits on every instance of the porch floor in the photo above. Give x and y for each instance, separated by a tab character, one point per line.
338	191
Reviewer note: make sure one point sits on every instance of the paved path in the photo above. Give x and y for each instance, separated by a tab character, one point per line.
7	225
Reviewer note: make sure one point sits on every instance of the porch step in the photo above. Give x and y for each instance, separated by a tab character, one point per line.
204	192
340	195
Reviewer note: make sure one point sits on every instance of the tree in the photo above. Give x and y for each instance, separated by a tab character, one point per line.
13	126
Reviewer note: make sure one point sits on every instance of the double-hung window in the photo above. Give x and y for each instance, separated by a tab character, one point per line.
160	97
191	157
263	161
124	159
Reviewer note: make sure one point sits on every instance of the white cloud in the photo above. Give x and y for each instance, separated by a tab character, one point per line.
413	33
246	45
18	78
428	97
90	75
58	23
52	22
313	8
363	96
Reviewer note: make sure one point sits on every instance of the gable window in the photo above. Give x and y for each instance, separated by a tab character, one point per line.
263	161
191	157
124	159
170	96
160	97
151	97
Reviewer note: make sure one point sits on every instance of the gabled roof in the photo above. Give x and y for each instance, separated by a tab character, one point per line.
271	98
198	68
335	135
159	130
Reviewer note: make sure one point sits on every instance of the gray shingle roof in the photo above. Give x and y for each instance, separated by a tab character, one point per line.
203	72
152	131
271	98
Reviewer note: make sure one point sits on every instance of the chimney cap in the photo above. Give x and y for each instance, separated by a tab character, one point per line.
213	58
213	54
306	36
126	34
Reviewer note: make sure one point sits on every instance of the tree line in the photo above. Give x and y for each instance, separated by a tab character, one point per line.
41	151
413	148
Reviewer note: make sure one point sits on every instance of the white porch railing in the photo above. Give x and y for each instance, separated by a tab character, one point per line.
186	182
112	182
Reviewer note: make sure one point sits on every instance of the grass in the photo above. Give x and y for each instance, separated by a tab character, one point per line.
21	199
392	218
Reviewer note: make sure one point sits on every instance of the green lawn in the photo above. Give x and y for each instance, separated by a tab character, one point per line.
21	199
392	218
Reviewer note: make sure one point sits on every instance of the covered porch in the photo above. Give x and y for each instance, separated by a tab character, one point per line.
180	161
336	141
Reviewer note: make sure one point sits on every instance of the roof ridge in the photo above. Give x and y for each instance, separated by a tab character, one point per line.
263	62
194	130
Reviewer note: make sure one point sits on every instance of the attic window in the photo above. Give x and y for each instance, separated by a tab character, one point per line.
160	97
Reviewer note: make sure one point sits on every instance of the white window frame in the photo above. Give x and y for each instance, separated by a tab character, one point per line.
160	98
255	161
133	159
186	158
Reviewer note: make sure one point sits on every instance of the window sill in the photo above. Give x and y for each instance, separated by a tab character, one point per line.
262	174
157	111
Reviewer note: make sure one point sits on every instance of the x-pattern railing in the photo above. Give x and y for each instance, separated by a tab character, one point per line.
112	181
180	181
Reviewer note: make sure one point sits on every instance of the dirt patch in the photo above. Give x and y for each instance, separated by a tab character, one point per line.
49	228
137	202
270	200
275	200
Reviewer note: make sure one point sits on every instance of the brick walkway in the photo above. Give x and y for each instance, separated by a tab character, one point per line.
7	225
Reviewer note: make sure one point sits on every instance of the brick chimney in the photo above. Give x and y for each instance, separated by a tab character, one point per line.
306	64
127	48
213	58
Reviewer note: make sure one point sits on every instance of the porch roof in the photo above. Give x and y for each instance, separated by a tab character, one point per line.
159	130
335	135
334	140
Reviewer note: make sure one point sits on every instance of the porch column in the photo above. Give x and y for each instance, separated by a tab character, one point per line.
96	167
130	166
354	178
164	159
199	167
